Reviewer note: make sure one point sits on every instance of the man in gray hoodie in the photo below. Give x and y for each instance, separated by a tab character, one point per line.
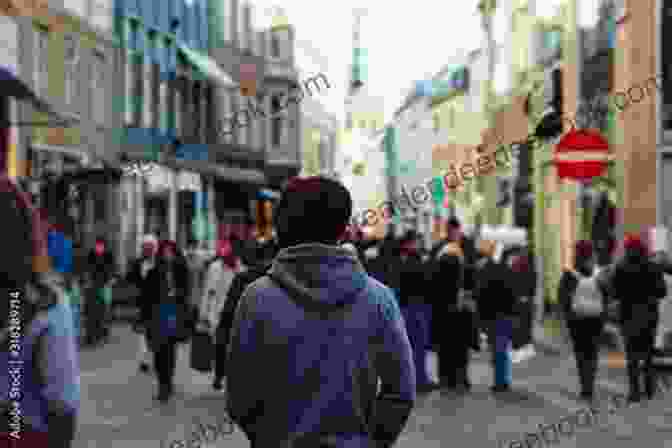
312	339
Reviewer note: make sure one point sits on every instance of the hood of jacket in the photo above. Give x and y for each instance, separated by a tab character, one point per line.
319	275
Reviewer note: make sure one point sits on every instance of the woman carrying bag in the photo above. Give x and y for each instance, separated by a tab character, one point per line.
583	301
218	279
170	320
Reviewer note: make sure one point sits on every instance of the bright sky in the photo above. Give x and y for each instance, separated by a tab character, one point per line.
406	41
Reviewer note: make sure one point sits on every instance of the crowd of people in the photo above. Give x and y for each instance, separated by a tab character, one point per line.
343	324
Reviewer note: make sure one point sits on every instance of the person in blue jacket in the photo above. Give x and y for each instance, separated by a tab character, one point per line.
312	339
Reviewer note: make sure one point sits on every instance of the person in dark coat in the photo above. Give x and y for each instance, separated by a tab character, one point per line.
169	283
256	268
495	296
638	285
456	336
584	331
100	273
414	306
138	275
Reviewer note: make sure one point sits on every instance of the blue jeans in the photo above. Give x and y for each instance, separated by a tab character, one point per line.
417	328
499	338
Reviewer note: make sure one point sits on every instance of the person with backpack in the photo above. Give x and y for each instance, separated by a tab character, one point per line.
639	285
40	378
312	339
582	298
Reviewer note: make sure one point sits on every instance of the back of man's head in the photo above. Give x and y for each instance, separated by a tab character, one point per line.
313	210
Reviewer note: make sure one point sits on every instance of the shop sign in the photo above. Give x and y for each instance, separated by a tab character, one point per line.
189	181
159	179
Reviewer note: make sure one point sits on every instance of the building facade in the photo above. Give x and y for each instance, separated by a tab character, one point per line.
320	132
65	52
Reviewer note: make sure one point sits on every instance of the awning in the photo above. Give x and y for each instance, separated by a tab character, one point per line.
230	174
13	86
207	67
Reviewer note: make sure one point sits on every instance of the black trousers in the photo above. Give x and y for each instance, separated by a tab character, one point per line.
454	348
165	357
585	334
639	345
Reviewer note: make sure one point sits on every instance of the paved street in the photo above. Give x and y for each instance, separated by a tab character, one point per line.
118	411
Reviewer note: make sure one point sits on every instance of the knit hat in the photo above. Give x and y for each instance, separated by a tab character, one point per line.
633	242
583	249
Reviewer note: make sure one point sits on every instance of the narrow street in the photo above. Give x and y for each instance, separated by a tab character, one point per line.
118	411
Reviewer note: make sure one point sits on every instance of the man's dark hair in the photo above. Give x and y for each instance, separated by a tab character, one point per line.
312	210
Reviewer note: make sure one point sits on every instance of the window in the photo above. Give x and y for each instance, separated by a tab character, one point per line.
98	103
451	118
41	62
276	123
179	97
275	45
71	54
436	119
195	109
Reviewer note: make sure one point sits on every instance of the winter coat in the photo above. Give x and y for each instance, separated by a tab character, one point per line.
240	282
48	377
447	281
218	280
412	277
158	285
638	285
138	275
101	268
326	332
495	292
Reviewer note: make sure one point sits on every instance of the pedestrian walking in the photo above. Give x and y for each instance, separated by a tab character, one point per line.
257	268
639	284
218	279
39	382
310	324
138	275
583	301
415	306
496	298
456	334
99	298
196	264
169	324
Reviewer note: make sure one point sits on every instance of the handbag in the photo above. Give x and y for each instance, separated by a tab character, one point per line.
587	299
202	350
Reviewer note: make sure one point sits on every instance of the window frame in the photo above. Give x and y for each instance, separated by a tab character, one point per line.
41	60
97	86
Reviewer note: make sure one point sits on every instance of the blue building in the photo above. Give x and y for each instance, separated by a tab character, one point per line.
166	97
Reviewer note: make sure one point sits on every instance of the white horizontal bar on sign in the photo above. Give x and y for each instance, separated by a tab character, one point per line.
583	156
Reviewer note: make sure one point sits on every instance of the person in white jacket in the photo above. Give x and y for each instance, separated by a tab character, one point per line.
218	279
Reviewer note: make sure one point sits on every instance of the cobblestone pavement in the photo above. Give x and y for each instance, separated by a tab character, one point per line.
118	412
